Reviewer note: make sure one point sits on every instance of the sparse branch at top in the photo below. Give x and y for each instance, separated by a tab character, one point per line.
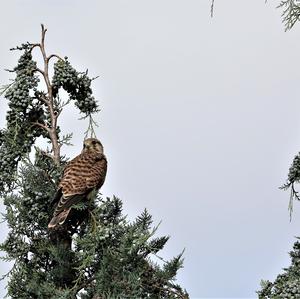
48	99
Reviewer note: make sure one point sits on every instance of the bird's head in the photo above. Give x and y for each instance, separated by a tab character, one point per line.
92	144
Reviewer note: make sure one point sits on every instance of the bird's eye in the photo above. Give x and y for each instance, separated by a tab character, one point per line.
94	142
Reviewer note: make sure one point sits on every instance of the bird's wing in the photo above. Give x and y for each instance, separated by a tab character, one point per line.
63	208
56	197
84	173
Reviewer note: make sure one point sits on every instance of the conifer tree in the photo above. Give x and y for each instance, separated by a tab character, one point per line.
287	284
106	255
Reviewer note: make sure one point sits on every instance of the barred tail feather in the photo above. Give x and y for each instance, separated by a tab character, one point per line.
59	219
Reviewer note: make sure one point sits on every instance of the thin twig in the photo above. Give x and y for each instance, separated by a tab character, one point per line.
34	46
95	223
90	128
4	88
54	55
212	8
43	99
294	195
77	287
42	126
40	71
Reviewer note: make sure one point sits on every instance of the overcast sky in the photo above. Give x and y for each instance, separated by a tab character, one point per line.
200	122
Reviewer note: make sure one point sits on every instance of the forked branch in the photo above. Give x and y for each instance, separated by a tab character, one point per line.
48	98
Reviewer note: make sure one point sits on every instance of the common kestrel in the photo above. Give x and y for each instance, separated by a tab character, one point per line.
82	175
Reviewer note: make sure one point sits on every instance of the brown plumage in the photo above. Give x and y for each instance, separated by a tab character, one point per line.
82	175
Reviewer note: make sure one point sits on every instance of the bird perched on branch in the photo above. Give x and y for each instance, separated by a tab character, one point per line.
82	176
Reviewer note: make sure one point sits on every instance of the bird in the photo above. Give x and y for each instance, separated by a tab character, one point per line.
82	176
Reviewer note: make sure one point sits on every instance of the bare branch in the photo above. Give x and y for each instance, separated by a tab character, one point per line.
41	126
50	101
41	97
212	8
34	46
90	128
43	35
48	155
54	55
40	71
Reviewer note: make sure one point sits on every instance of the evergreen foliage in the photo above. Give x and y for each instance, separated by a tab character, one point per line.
287	284
105	255
292	180
290	13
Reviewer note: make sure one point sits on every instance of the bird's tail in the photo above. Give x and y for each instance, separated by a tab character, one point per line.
59	219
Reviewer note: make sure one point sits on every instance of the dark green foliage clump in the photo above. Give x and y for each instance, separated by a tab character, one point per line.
286	285
78	85
293	178
16	140
28	243
294	171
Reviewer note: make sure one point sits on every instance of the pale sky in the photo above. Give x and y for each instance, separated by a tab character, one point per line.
200	122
